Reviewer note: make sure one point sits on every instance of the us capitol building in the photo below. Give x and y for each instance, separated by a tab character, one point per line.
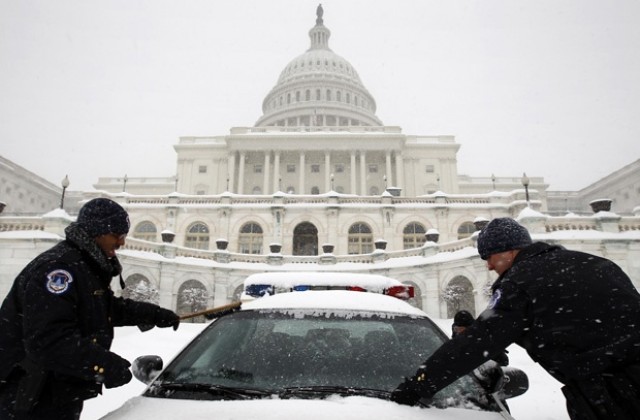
319	183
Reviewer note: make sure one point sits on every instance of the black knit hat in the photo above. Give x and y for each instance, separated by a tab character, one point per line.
500	235
101	216
462	319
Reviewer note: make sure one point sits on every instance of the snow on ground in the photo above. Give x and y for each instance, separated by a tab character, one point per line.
543	400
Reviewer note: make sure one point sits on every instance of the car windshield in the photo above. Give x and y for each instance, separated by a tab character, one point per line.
305	353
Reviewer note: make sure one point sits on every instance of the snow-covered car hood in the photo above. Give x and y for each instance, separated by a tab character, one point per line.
332	408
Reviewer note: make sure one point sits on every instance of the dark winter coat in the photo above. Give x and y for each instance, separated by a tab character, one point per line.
59	316
576	314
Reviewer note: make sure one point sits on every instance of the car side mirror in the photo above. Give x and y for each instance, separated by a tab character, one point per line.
514	382
147	368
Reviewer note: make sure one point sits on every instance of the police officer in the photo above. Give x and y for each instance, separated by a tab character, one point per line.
576	314
57	321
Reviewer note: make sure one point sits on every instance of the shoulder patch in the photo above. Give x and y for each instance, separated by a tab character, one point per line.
58	281
495	298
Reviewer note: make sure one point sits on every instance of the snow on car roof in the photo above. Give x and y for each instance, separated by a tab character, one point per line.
370	282
335	300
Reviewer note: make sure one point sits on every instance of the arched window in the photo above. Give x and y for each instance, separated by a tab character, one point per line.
138	287
197	236
256	191
192	297
413	235
466	229
338	96
328	95
297	96
315	190
458	295
374	191
307	95
360	239
146	231
288	98
250	239
318	95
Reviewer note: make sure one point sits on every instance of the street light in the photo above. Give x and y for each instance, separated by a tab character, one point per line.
331	181
493	181
525	183
124	183
65	184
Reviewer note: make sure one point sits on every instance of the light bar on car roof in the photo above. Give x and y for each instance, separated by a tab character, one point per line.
258	290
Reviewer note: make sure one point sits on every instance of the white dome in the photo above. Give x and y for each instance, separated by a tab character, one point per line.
319	88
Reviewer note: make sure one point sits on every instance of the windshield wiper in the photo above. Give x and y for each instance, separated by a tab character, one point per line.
300	391
239	393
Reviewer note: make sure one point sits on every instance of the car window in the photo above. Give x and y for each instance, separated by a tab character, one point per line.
275	350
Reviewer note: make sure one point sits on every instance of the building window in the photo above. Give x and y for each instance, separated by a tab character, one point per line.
360	239
318	95
340	189
202	169
291	190
413	235
257	169
430	169
250	239
338	96
307	95
315	190
328	95
466	229
291	168
315	168
297	96
200	192
256	191
373	169
197	236
374	191
146	231
339	168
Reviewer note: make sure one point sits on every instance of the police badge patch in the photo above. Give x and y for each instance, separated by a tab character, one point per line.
495	298
58	281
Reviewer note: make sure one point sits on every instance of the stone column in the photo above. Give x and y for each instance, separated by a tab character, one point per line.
265	172
363	173
353	173
388	172
243	157
301	188
327	170
399	171
276	172
231	170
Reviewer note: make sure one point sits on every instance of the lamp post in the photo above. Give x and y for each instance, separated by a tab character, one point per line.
124	183
331	181
385	182
525	183
65	184
493	181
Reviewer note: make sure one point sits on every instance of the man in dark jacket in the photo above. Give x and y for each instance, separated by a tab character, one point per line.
576	314
57	321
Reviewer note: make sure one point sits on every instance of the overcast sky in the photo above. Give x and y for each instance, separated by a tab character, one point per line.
105	88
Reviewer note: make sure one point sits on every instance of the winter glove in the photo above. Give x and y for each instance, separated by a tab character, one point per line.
165	318
411	391
116	373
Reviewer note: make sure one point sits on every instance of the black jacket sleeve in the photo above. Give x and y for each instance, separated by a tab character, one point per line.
500	325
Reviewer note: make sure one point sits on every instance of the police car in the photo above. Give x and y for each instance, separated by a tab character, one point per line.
313	346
